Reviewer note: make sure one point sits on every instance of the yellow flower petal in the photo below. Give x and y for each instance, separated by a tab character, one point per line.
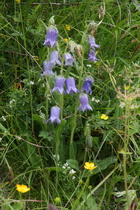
22	188
66	40
18	1
89	166
127	87
67	27
104	117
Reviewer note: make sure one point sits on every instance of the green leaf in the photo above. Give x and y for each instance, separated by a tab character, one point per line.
18	206
91	204
103	164
45	135
73	164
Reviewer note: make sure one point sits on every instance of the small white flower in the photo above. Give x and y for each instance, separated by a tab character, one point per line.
89	65
73	177
93	99
97	101
3	118
12	101
31	83
72	171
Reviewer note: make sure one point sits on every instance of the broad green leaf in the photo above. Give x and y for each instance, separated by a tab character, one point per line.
73	164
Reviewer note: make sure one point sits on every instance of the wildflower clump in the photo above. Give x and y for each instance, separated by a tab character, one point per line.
89	166
22	188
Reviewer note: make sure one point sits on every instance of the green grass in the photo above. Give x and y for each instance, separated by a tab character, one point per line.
29	147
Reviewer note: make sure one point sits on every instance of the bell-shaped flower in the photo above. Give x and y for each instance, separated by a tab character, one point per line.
69	60
51	37
92	42
70	86
54	115
84	102
47	68
54	58
88	81
59	84
92	56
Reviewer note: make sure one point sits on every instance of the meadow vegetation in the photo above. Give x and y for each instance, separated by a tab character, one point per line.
70	105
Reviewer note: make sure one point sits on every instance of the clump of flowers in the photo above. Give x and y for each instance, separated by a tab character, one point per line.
22	188
104	117
89	166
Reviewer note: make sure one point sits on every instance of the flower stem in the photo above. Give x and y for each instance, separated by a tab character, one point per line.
126	140
81	193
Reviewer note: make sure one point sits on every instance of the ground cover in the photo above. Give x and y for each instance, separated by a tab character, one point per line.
69	105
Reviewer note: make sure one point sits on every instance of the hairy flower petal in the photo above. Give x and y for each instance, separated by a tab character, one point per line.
51	37
54	116
59	84
84	103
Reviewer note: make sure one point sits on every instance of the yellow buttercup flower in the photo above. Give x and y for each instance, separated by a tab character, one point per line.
22	188
67	27
89	166
104	117
127	87
66	40
18	1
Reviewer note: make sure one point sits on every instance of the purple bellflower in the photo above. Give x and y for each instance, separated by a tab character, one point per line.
92	43
54	58
59	84
51	37
88	81
70	86
47	68
54	115
69	60
92	56
84	102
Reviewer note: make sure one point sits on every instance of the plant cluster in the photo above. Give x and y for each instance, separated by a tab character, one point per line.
69	126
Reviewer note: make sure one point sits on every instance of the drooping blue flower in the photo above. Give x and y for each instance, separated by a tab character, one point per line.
69	60
92	56
88	81
70	86
92	42
59	84
54	115
51	37
47	68
54	58
84	102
